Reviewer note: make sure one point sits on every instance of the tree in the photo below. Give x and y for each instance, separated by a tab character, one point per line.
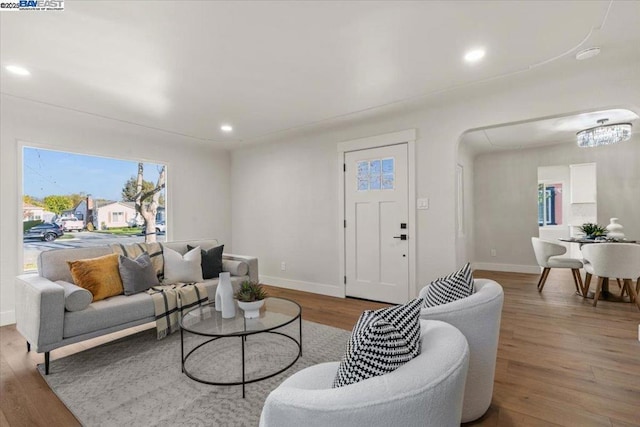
76	198
147	202
130	190
57	204
30	200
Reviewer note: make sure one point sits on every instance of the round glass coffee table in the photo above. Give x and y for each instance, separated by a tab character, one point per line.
205	321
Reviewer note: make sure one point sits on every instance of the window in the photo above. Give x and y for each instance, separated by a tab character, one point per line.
376	174
117	217
97	192
549	204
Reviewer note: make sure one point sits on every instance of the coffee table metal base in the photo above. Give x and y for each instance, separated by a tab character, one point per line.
242	338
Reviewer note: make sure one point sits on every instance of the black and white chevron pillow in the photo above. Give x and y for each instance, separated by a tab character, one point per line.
450	288
382	341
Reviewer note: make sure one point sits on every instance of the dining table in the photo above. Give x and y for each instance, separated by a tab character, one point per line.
606	294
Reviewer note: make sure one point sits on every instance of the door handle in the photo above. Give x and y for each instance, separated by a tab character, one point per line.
401	237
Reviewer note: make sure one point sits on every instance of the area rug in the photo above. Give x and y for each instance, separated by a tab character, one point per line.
137	380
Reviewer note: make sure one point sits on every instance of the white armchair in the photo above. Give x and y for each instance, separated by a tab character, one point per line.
620	260
478	318
547	256
426	391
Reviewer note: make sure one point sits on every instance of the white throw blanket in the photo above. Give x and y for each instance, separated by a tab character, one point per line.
170	301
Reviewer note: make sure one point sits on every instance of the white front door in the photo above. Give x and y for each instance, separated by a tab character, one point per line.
377	223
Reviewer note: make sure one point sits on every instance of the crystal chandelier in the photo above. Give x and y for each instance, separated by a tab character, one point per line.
604	134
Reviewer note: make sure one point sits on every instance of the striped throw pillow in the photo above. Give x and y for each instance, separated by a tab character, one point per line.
382	341
450	288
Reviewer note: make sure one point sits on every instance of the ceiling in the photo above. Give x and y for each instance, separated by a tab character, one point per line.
548	131
265	67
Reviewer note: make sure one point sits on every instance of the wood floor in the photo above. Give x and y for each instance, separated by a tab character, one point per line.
560	360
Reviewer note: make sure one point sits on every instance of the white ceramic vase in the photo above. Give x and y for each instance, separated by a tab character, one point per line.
224	296
614	230
251	309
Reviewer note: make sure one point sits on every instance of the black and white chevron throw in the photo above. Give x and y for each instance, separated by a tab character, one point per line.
382	341
450	288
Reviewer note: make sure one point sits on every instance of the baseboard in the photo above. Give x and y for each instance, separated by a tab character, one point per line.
7	318
511	268
298	285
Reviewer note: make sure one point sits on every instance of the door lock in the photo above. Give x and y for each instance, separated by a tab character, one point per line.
401	237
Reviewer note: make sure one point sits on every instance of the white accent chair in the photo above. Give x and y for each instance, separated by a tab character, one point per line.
478	318
547	255
619	260
426	391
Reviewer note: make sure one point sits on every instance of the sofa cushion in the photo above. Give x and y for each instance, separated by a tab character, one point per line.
179	268
211	261
75	297
451	288
382	341
236	268
137	274
52	265
133	250
107	313
100	276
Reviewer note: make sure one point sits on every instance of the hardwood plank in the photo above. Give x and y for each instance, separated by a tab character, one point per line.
510	418
619	378
512	395
561	361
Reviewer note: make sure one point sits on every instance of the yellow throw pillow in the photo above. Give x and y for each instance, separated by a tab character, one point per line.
100	276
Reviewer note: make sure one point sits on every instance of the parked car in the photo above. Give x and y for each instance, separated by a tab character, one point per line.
161	227
47	231
136	221
71	224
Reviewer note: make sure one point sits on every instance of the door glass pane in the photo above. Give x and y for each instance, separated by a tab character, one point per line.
388	174
375	173
363	176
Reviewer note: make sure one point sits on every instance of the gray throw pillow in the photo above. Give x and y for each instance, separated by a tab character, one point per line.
138	274
75	297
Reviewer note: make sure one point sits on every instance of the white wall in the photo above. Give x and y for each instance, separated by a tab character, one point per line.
464	242
506	196
198	197
292	215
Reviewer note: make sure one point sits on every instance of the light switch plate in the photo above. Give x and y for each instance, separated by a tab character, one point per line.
422	203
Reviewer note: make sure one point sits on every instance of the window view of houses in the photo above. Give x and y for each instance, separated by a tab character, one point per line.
73	200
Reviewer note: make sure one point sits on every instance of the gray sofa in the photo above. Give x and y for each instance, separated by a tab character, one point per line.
41	316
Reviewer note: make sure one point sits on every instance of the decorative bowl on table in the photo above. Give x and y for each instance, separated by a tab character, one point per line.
250	298
251	309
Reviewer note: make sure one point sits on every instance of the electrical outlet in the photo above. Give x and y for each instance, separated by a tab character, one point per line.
493	252
283	266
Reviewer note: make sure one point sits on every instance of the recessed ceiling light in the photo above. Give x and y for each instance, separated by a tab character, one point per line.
16	69
587	53
474	55
226	128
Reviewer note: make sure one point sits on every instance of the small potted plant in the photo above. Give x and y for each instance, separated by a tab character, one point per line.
250	298
592	230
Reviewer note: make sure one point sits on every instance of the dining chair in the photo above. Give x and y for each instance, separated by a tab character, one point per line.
618	260
547	255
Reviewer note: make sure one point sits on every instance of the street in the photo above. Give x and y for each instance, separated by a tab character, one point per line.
81	239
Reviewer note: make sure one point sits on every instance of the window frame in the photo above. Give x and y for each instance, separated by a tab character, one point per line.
549	183
21	144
